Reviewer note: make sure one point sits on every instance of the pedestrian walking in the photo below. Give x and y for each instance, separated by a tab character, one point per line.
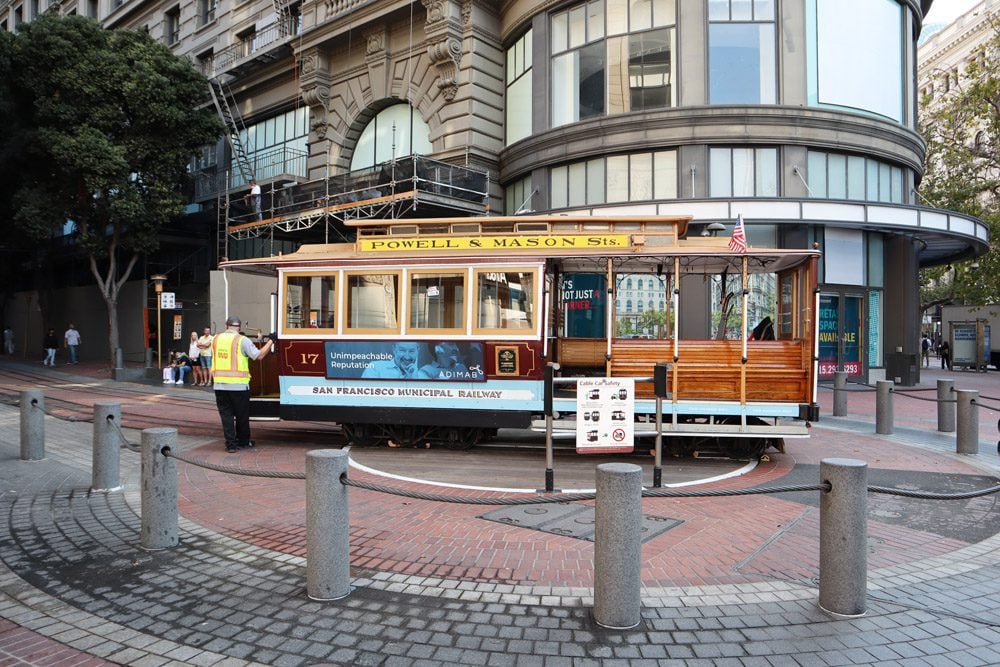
925	350
51	344
944	349
72	341
231	355
8	340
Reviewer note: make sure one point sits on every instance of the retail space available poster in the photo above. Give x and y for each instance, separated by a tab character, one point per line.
605	415
405	360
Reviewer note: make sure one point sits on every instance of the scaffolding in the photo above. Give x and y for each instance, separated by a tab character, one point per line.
406	187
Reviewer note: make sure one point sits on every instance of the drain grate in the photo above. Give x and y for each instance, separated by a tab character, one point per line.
570	520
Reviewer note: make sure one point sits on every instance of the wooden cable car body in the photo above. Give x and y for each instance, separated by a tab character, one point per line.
498	298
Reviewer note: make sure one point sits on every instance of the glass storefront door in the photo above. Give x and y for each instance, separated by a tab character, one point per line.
841	318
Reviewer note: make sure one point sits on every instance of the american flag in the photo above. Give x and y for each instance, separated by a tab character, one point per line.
738	242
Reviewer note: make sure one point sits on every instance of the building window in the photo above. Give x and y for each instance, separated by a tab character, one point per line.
612	56
396	131
741	52
277	145
578	63
518	104
518	197
172	20
838	176
840	74
743	172
92	8
206	64
206	11
247	42
616	178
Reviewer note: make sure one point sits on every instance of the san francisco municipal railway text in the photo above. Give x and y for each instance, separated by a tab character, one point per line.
417	392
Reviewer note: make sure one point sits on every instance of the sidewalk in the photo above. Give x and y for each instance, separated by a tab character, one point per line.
735	583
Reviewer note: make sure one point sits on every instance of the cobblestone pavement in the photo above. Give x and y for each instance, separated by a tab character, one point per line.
735	584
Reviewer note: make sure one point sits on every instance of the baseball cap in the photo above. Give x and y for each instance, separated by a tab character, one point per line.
233	321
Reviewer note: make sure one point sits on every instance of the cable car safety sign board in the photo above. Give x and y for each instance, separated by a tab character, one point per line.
605	413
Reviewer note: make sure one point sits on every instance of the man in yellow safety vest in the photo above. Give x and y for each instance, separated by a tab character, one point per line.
231	354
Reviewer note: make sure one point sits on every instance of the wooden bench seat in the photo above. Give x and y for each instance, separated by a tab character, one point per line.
711	369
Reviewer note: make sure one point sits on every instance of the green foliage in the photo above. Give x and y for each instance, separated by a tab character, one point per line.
962	173
102	126
110	121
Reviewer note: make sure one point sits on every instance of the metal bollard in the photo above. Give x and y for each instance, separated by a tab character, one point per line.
843	537
328	553
617	546
946	406
840	393
105	471
967	437
32	425
159	490
883	407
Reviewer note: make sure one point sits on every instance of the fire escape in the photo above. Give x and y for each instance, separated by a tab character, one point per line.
314	211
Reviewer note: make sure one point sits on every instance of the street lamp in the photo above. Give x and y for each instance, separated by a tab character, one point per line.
158	281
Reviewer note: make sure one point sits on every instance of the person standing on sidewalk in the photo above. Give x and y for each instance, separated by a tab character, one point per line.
8	340
205	356
231	355
944	350
72	339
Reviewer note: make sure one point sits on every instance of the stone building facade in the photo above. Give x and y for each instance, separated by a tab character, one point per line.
798	115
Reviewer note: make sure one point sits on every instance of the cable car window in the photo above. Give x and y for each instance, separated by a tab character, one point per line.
310	303
437	301
505	299
373	302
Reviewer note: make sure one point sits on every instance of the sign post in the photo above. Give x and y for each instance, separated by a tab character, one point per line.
605	415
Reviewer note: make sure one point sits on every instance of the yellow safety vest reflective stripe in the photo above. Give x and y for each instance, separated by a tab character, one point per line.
229	365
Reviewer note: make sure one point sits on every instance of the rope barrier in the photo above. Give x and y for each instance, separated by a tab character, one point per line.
987	407
930	495
929	400
131	446
246	472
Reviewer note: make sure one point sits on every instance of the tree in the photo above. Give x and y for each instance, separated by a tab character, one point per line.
962	172
110	120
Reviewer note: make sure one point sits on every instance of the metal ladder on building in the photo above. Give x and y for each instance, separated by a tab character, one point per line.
283	15
234	124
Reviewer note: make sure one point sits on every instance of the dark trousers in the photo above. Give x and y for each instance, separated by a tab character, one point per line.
234	409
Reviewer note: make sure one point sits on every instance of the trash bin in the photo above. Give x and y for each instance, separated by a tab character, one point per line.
902	368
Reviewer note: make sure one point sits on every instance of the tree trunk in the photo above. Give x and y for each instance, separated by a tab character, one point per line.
111	286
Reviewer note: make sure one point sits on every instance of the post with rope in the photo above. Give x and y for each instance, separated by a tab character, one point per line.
617	546
967	436
883	407
946	406
550	475
32	425
105	471
843	537
840	393
159	490
328	553
660	389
